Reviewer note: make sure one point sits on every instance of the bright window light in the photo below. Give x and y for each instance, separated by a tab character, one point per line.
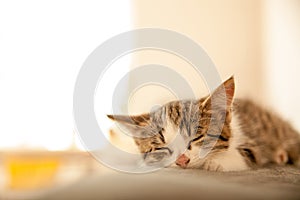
42	47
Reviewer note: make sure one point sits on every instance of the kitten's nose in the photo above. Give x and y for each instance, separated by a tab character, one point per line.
182	161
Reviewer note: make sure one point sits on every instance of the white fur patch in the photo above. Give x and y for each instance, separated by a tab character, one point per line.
174	140
170	132
232	160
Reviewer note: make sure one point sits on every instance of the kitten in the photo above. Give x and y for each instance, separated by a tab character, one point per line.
219	133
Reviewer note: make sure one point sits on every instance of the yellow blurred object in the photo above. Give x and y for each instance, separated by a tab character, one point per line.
31	173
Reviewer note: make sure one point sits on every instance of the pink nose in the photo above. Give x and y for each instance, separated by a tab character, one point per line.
182	161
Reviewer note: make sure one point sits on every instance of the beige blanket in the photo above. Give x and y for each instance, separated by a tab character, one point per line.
275	183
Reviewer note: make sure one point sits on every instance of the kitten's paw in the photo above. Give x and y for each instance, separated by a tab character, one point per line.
212	166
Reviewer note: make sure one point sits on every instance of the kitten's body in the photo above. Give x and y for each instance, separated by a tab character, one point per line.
229	134
271	139
258	139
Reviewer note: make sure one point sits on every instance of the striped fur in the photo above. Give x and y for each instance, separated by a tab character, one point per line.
218	133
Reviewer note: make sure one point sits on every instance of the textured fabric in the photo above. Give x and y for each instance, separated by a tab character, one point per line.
274	183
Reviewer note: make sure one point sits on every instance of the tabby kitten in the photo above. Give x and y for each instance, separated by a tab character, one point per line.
217	132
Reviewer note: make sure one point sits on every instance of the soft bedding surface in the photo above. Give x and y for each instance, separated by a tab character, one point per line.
272	183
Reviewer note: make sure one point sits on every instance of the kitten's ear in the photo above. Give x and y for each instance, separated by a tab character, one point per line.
133	125
135	120
222	96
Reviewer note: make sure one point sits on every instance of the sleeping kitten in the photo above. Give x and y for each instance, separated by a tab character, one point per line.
219	133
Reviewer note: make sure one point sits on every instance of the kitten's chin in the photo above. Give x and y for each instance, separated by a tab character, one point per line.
159	162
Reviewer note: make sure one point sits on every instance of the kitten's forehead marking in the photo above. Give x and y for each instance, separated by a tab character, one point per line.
170	131
181	118
174	139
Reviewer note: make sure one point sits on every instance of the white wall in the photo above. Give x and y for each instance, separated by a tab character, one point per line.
281	38
257	41
229	31
42	47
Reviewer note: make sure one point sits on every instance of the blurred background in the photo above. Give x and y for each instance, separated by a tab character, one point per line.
44	44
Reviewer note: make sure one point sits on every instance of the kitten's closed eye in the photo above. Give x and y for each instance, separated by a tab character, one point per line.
157	155
249	154
189	147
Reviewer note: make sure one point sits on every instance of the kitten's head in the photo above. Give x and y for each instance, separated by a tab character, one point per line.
183	126
150	132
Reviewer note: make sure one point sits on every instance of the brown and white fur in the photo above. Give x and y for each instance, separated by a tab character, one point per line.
219	133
